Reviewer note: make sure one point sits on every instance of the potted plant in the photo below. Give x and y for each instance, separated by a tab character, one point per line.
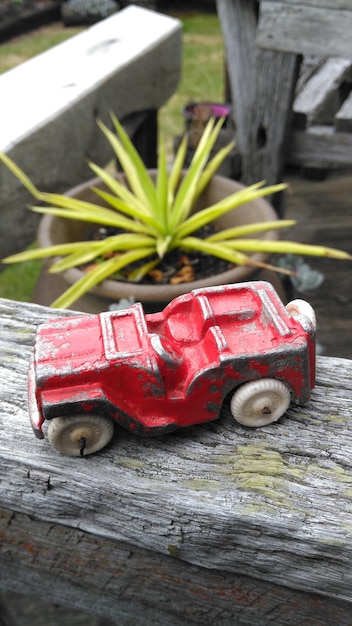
153	215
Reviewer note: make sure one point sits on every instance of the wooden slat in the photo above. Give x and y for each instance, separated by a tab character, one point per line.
321	4
319	100
319	147
238	23
131	585
322	28
262	88
272	503
309	66
343	119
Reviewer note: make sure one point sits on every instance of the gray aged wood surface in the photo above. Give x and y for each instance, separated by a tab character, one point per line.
206	517
319	100
343	120
323	110
257	77
306	26
320	147
263	62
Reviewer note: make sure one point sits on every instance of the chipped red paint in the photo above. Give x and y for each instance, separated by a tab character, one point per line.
153	373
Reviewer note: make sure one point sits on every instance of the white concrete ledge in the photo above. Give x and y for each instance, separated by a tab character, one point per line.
127	63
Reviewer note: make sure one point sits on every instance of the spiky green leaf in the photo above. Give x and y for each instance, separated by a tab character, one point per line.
176	170
20	175
212	168
131	162
120	190
287	247
210	214
97	275
94	250
186	193
50	251
249	229
161	207
221	251
107	219
150	224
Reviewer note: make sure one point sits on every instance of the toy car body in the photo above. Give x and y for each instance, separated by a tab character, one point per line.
154	373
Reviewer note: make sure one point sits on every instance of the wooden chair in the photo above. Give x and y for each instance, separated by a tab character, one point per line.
285	114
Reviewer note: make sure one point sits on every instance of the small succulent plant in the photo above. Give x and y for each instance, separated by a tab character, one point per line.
155	218
303	277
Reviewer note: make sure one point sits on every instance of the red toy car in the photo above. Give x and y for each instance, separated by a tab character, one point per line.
154	373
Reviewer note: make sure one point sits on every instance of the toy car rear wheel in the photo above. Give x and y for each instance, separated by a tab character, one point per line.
298	307
260	402
80	435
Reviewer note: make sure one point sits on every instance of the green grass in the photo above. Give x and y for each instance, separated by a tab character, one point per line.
18	281
202	79
202	70
23	48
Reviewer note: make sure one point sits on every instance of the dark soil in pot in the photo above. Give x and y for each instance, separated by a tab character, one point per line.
177	266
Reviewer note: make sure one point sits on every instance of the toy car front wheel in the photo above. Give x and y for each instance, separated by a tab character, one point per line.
260	402
79	435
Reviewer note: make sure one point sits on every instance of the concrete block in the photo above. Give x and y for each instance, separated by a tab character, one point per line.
127	63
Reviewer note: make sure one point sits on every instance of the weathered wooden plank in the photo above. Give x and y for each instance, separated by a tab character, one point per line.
5	617
123	582
306	27
343	118
319	147
319	99
262	89
22	609
310	65
270	504
238	24
321	4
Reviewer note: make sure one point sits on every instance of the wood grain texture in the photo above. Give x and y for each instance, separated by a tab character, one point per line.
129	585
320	4
308	27
319	147
343	119
238	24
309	66
262	84
22	609
270	504
319	100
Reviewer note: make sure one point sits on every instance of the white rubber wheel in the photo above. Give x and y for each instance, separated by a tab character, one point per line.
296	308
260	402
80	435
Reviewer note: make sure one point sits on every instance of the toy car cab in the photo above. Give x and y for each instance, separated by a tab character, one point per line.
155	373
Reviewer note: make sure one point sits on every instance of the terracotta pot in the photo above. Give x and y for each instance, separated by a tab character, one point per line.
55	230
